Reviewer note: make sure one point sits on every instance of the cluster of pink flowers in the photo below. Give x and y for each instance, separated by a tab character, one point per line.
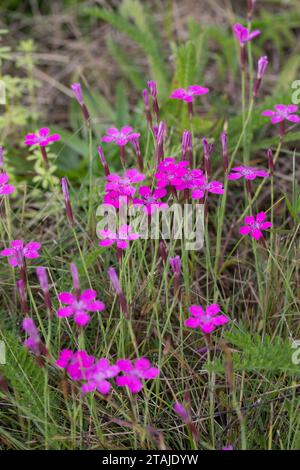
96	374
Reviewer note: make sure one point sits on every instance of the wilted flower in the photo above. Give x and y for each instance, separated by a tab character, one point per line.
175	264
22	291
116	284
261	69
153	90
19	250
33	342
159	144
208	149
147	107
5	188
187	147
207	320
103	161
76	88
42	276
65	190
255	225
136	145
134	373
224	151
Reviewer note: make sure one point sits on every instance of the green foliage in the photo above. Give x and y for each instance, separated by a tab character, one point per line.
252	353
27	382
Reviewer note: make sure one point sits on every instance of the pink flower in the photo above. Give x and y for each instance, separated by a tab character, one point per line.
207	320
169	169
134	373
189	179
121	239
18	251
254	225
189	94
247	172
243	35
78	364
79	307
229	447
123	184
282	112
121	187
33	342
42	138
214	187
151	200
98	375
121	137
4	187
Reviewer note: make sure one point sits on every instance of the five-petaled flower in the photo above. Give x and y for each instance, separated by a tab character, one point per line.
5	188
151	200
189	94
79	307
247	172
120	137
120	239
18	250
207	320
98	377
243	34
42	138
255	225
214	187
134	373
282	112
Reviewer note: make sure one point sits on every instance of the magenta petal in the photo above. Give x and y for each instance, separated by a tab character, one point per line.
103	387
213	309
266	225
256	234
96	306
245	230
66	298
193	322
196	310
293	118
81	318
88	295
65	312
